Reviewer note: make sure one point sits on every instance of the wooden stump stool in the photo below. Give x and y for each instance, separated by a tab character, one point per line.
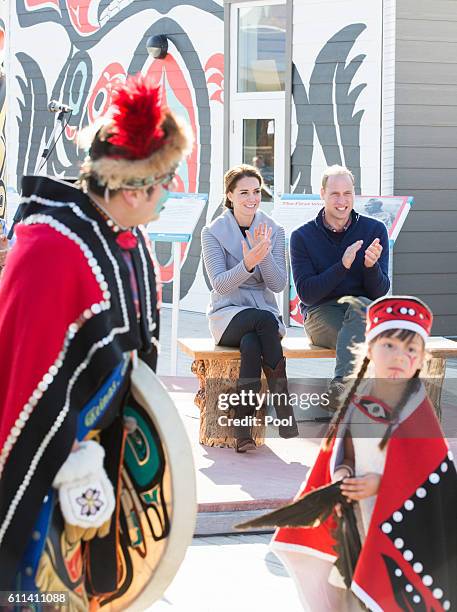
433	376
218	377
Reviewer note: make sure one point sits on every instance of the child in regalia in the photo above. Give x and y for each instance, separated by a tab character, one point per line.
386	447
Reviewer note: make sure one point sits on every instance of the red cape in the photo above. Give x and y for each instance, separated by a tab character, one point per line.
409	556
32	331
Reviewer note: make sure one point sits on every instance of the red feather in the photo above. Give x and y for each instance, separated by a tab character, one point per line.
137	117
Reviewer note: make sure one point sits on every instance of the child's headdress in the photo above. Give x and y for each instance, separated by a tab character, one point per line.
141	143
398	312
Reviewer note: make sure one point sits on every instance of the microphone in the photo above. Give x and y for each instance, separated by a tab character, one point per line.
55	106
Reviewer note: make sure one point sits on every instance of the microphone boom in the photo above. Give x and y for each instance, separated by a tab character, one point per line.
55	106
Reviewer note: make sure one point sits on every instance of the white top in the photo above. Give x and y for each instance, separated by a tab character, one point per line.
367	431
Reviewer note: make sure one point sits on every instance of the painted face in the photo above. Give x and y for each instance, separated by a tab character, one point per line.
161	201
155	198
338	197
396	359
245	198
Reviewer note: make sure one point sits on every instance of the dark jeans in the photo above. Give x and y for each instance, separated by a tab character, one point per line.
255	331
337	326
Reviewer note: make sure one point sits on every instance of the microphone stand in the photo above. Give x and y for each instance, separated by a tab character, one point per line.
40	164
42	160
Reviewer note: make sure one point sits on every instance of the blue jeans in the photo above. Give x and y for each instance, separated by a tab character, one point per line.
337	326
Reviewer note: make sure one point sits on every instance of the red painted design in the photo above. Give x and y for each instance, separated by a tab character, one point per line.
74	564
101	96
110	76
70	132
167	73
33	5
215	66
80	12
176	91
294	309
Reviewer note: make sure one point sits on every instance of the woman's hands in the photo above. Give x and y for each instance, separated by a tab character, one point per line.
261	232
361	487
260	246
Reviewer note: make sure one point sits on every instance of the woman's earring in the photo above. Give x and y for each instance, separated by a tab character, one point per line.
106	195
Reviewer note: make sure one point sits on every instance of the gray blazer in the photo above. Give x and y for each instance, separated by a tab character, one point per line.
234	288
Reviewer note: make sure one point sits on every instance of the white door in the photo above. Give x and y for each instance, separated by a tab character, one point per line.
257	97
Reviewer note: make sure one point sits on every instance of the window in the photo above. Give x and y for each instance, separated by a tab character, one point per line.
261	48
259	150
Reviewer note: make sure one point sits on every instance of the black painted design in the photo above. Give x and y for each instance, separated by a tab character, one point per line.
330	80
34	119
407	597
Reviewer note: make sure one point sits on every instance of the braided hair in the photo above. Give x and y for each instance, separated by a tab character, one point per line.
345	401
411	387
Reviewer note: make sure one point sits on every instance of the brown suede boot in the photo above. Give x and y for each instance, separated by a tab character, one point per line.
277	384
243	433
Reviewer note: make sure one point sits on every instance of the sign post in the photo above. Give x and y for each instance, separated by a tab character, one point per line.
176	224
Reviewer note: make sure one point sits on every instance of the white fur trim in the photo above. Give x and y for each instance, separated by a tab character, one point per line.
397	324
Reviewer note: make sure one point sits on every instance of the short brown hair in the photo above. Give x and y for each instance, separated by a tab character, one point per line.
334	171
235	174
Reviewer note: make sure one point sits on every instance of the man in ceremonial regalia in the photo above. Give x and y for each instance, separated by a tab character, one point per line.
84	477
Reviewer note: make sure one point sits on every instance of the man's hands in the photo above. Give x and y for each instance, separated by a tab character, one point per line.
372	254
350	253
260	245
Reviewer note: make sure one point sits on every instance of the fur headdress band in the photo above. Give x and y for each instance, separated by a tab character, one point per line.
144	141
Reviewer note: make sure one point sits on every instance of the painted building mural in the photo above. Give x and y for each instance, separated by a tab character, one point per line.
337	93
75	50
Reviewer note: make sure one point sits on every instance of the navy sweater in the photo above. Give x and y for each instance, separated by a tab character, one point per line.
318	272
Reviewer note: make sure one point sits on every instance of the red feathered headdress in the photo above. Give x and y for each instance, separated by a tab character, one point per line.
138	115
148	140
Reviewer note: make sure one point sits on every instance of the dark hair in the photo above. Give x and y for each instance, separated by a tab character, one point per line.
235	174
94	186
411	387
